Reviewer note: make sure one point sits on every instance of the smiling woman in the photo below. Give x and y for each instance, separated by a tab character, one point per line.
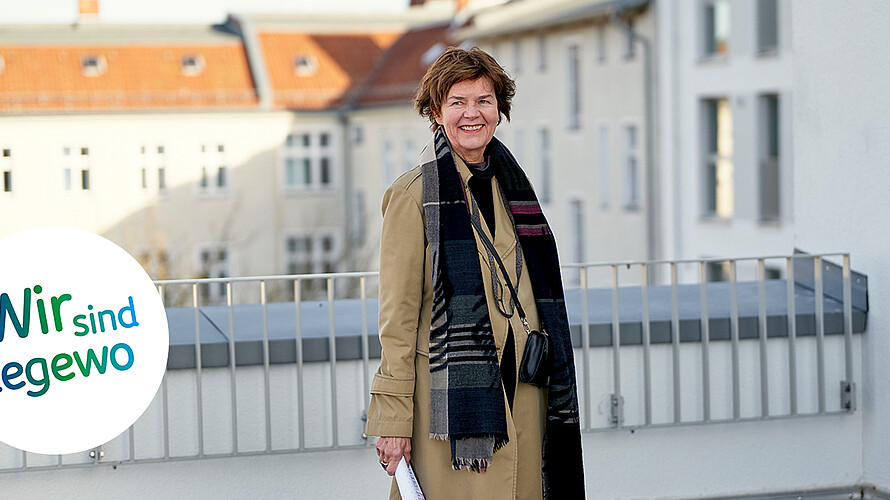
470	116
447	396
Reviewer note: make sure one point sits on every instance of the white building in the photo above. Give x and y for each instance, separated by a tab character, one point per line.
579	122
210	151
725	128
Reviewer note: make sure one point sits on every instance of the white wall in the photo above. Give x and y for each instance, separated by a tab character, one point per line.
791	454
741	76
841	150
252	216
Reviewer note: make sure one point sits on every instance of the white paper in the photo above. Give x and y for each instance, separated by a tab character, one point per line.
408	487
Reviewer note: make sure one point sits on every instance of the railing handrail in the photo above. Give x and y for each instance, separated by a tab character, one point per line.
572	265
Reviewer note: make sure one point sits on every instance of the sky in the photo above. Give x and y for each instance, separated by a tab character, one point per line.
180	11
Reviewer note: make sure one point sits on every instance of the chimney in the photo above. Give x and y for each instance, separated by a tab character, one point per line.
88	10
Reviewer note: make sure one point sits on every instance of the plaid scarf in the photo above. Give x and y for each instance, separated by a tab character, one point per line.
467	403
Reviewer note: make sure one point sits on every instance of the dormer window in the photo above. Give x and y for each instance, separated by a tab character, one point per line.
192	64
305	65
93	65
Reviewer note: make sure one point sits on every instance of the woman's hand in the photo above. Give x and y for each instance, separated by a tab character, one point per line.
390	450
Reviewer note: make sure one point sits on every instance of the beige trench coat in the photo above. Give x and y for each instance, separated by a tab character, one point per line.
400	391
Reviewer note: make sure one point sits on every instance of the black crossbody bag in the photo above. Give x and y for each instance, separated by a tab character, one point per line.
535	364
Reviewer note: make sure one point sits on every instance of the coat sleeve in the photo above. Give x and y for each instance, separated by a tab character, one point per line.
402	255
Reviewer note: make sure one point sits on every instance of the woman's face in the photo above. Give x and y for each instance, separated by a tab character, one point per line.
469	116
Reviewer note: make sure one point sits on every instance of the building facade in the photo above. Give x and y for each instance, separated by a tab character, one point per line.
724	108
579	122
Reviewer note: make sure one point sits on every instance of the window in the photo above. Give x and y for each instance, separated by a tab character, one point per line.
144	178
576	212
518	148
309	163
6	169
72	164
162	179
716	27
770	180
192	64
358	134
544	161
215	178
718	167
388	163
767	26
631	168
573	80
93	65
305	65
311	253
603	165
630	50
213	262
542	53
517	57
601	44
717	271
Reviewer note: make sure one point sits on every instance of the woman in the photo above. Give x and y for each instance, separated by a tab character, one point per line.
447	395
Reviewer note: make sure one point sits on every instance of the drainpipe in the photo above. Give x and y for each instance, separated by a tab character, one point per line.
652	226
349	197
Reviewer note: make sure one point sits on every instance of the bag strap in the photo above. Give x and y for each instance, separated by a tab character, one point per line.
490	246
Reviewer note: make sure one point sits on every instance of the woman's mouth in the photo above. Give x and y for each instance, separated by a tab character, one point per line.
470	128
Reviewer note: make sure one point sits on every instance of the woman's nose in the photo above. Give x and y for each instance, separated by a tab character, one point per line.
471	110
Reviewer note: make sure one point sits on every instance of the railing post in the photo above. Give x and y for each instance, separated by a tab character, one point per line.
734	330
233	381
585	345
705	327
647	382
198	381
617	415
675	342
848	387
820	331
792	336
266	382
762	331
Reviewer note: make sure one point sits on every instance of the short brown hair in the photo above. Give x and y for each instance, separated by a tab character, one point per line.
454	66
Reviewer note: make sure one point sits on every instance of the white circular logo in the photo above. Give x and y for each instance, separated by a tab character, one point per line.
83	340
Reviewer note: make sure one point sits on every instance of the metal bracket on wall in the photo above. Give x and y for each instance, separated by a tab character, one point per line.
848	396
364	421
616	410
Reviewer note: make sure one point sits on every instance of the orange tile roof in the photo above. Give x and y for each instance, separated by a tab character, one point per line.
342	64
400	73
50	78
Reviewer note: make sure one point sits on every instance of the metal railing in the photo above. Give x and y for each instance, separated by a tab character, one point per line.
690	364
766	346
